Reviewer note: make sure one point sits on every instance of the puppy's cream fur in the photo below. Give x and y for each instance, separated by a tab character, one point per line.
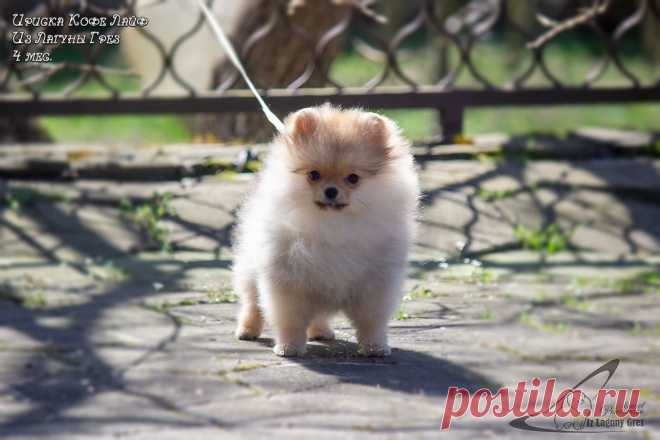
301	257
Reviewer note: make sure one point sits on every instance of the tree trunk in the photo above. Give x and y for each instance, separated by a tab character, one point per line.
650	30
275	61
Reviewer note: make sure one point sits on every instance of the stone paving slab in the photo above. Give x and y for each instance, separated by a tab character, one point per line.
102	336
172	162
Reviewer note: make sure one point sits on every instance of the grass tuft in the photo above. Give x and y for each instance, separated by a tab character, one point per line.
148	217
550	239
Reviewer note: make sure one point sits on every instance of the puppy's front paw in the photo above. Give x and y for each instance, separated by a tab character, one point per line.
289	350
374	350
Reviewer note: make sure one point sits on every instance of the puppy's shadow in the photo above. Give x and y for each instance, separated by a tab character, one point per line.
404	371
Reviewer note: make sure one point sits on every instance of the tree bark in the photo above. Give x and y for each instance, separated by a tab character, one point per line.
650	30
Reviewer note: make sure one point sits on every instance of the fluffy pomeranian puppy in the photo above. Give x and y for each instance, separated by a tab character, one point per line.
326	230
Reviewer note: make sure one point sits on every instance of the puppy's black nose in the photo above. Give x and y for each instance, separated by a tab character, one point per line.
331	192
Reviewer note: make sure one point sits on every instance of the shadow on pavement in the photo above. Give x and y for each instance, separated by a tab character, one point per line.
405	371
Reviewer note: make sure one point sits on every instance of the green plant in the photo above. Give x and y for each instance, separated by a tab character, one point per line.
227	174
488	314
254	166
575	303
34	300
242	367
162	307
648	282
401	315
543	276
527	319
550	239
495	156
651	278
483	276
641	329
491	196
540	297
654	149
148	217
221	297
419	292
167	305
18	199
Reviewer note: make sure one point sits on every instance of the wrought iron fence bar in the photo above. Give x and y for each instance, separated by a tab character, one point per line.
459	33
451	120
284	100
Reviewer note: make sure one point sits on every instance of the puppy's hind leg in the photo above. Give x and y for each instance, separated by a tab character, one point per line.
250	317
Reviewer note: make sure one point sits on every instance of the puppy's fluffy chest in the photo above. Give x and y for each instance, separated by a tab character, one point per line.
333	259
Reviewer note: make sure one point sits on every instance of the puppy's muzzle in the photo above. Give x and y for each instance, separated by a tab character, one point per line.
331	199
331	205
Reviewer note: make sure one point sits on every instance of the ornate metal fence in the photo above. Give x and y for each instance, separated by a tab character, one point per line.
460	31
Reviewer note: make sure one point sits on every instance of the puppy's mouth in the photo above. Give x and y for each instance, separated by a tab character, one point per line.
333	205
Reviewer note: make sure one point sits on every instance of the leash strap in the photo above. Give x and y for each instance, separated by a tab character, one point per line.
231	53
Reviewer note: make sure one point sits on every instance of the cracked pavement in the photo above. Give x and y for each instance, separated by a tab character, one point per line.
103	336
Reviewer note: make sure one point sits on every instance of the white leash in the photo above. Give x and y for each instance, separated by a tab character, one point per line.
231	53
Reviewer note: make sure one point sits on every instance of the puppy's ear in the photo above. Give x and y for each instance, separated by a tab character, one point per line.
303	124
376	133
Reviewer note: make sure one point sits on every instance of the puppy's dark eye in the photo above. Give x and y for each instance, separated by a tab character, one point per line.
314	175
353	179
